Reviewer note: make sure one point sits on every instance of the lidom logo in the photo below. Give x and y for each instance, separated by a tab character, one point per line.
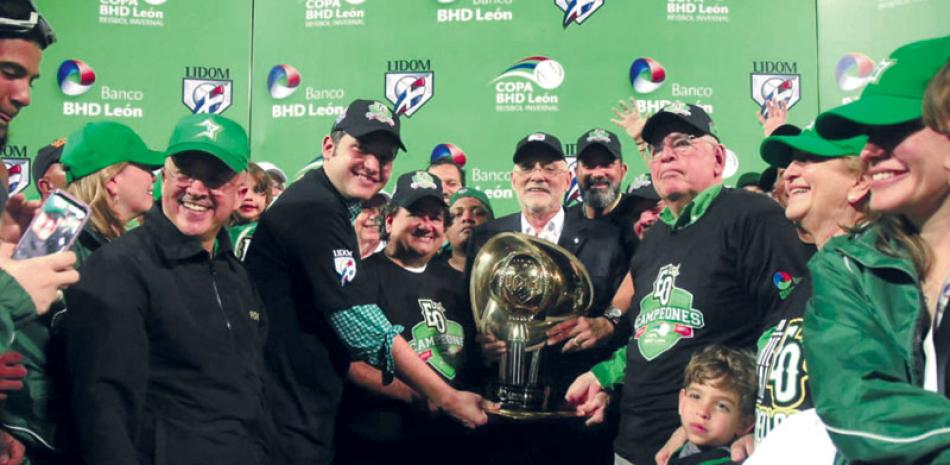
577	11
282	81
75	77
206	90
18	170
409	84
775	82
853	71
646	75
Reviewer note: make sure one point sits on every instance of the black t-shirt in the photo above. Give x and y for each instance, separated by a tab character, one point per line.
706	283
622	216
305	260
781	370
438	324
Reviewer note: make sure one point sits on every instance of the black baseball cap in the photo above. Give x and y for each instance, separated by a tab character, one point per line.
415	185
694	117
541	140
749	179
599	137
45	157
642	187
19	19
364	117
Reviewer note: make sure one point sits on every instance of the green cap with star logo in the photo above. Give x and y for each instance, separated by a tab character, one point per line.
98	145
894	93
212	134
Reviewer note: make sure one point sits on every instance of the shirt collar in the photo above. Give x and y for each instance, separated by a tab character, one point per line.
551	231
172	243
693	210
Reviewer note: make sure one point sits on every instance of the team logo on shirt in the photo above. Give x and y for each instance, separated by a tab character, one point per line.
782	375
666	315
438	341
785	283
345	265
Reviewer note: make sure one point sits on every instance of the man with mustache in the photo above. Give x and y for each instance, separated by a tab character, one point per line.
323	311
430	303
540	178
705	274
164	333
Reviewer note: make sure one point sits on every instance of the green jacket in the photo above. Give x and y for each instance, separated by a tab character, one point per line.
864	328
16	307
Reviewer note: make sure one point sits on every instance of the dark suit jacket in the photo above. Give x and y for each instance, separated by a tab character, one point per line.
599	247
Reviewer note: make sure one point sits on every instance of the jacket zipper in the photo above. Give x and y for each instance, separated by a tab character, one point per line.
217	295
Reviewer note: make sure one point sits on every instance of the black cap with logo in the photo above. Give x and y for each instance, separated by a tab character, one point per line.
364	117
539	140
416	185
642	187
599	137
692	115
45	157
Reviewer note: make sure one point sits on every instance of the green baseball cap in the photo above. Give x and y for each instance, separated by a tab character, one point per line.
98	145
212	134
894	94
777	151
473	193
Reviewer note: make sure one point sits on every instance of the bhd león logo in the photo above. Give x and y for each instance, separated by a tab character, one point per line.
331	13
75	77
775	82
409	85
132	12
206	89
501	11
515	87
282	81
577	11
646	75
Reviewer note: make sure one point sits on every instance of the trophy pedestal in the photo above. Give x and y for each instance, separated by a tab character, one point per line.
524	403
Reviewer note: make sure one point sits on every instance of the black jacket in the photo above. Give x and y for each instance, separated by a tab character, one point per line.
164	352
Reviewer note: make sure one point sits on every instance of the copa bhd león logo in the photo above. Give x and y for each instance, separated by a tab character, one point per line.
206	89
409	84
515	87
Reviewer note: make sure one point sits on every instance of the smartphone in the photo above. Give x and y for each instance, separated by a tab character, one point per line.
54	228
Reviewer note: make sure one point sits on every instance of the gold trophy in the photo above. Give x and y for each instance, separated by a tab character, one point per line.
522	286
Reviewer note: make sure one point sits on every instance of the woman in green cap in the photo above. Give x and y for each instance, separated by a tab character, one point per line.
108	167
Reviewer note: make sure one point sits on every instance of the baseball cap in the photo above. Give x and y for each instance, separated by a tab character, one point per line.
777	151
45	157
599	137
540	140
473	193
694	116
273	171
748	179
767	179
214	135
415	185
642	187
894	94
364	117
101	144
20	20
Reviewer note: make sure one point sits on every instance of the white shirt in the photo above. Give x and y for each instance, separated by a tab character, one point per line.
550	232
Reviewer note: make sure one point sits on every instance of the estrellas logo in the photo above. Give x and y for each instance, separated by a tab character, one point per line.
282	81
646	75
666	315
75	77
577	11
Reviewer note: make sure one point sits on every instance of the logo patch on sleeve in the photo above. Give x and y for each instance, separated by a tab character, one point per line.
345	265
785	283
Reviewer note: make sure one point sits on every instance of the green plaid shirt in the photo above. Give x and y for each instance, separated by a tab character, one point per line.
369	335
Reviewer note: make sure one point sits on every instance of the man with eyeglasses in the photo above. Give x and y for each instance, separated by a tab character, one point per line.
324	313
540	178
707	273
165	332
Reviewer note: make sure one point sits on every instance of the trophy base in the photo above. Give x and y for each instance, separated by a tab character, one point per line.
524	403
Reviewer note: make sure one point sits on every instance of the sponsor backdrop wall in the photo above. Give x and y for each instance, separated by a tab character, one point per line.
477	74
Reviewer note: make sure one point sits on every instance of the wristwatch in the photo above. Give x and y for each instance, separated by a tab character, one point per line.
613	315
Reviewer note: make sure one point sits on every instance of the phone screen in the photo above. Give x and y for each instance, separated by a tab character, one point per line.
54	228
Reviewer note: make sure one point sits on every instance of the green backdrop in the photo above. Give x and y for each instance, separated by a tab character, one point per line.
479	74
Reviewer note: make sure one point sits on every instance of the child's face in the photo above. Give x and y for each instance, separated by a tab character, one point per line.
710	415
253	200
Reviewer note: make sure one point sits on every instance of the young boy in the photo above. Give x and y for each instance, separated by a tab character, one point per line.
716	405
254	198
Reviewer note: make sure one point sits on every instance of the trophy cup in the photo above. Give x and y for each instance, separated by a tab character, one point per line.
521	287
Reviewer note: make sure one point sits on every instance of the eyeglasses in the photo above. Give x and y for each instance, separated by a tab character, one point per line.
888	137
680	144
216	184
28	24
548	170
